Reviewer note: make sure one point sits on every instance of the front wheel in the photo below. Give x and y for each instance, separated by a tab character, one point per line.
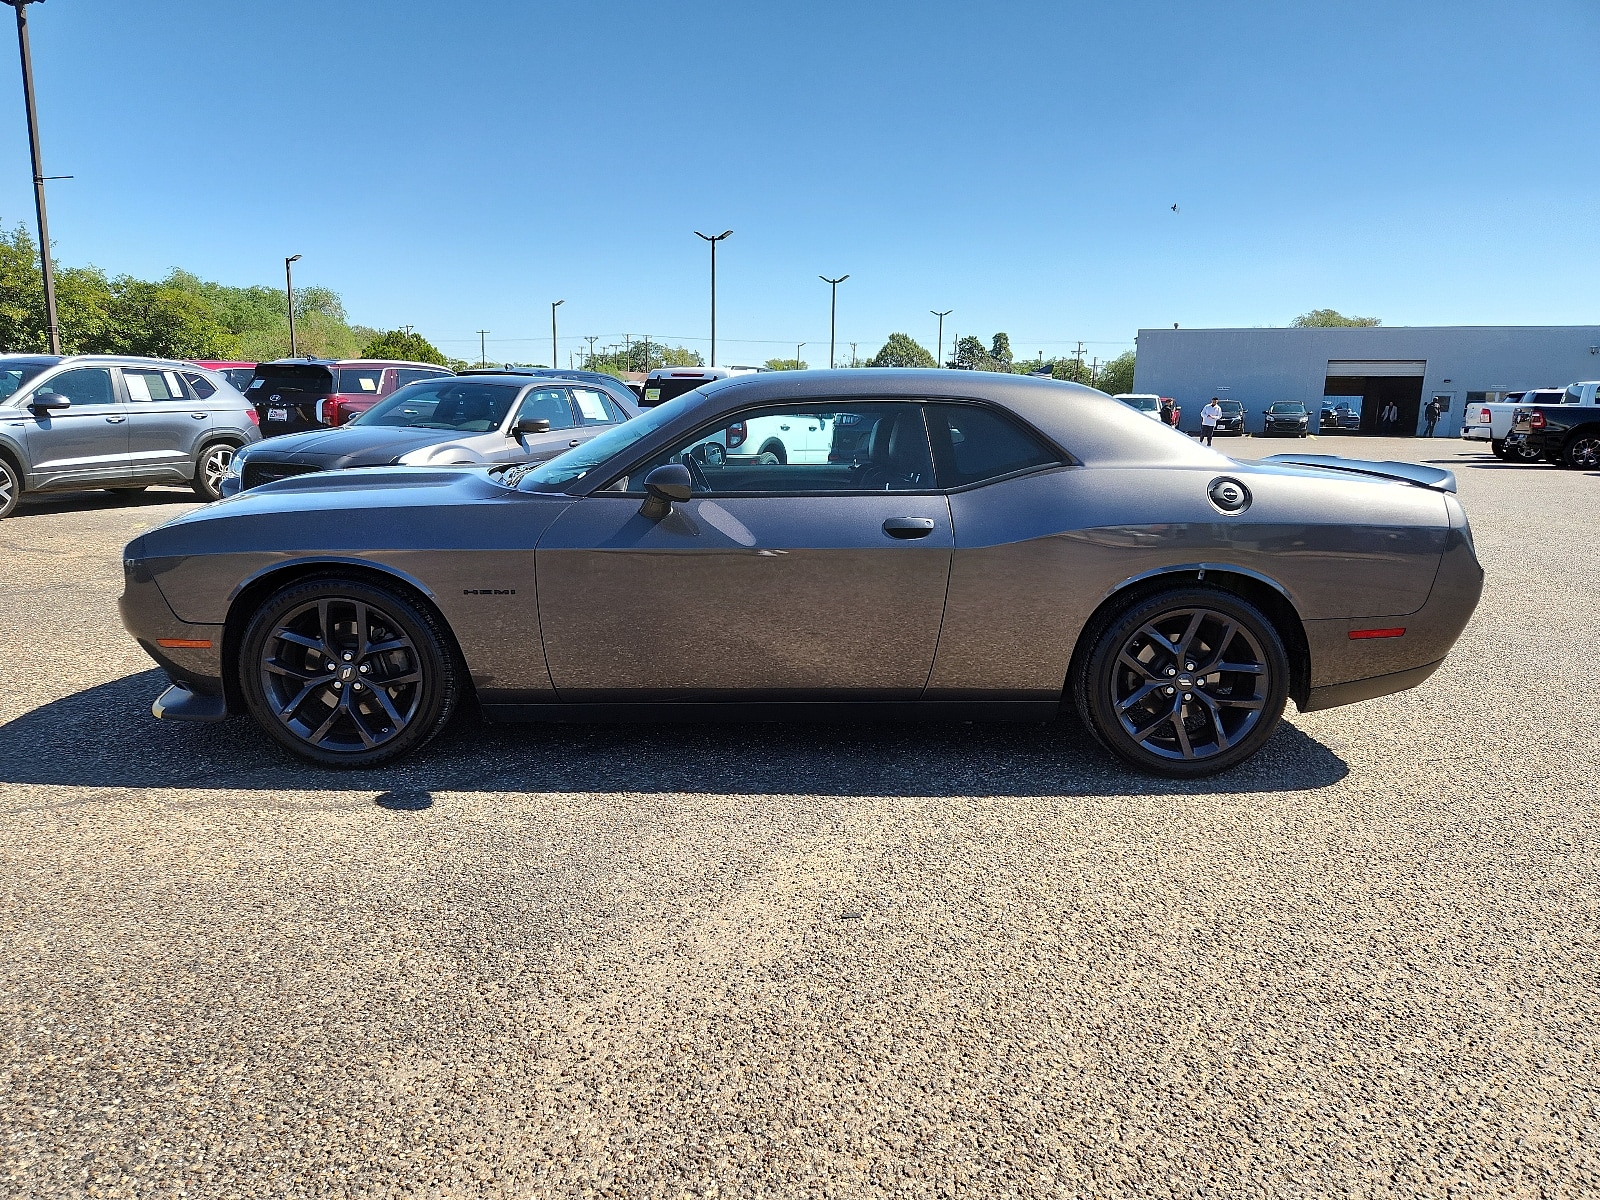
1582	453
1186	683
213	464
345	673
10	487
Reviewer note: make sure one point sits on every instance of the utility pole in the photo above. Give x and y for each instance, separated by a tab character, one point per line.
1094	370
938	359
288	287
627	350
482	357
647	353
833	313
46	267
797	363
726	233
1079	356
555	363
852	354
590	359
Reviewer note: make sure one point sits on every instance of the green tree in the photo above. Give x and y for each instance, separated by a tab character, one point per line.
160	321
785	364
1116	376
1000	352
406	346
1327	318
901	350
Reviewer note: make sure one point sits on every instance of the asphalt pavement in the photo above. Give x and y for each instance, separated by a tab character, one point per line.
826	961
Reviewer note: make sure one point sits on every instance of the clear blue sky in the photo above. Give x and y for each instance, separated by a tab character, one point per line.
457	166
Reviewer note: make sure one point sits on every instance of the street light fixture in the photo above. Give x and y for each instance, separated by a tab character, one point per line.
38	175
288	287
797	363
726	233
939	357
554	304
833	312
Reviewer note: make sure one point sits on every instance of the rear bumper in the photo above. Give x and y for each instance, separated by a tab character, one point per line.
1477	433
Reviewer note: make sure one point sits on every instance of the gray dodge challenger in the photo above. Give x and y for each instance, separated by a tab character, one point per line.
931	543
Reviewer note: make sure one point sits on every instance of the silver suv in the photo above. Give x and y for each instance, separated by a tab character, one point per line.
120	423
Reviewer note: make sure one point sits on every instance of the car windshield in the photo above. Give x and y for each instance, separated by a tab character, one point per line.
1287	409
580	460
1230	406
1143	403
463	406
14	375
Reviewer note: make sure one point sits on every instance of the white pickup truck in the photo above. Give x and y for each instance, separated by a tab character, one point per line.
1491	422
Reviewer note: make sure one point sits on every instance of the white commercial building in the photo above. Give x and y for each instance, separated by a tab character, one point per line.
1455	365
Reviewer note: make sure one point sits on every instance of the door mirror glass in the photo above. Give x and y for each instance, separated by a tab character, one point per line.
532	425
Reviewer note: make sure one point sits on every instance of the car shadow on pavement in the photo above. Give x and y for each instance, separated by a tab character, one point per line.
105	737
39	504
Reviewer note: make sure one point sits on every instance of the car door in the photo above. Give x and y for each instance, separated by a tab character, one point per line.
773	582
553	404
165	424
86	443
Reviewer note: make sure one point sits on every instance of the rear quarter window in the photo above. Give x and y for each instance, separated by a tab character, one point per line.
972	444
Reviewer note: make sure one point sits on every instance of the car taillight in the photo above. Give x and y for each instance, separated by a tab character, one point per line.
1536	420
255	417
333	412
1484	418
736	434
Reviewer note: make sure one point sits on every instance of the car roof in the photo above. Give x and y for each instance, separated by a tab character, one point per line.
1090	425
112	360
352	362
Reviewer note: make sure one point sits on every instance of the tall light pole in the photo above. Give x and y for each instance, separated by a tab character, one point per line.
38	174
939	357
554	304
288	287
714	240
797	363
483	360
833	312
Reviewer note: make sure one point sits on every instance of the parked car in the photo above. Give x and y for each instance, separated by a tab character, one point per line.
292	395
1053	553
1492	422
120	423
456	421
1287	418
238	374
1339	417
668	383
1566	432
1231	423
1150	405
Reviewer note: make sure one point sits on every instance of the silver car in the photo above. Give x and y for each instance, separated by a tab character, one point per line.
120	423
469	420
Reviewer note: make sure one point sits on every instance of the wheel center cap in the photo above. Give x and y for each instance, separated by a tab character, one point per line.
1185	681
346	673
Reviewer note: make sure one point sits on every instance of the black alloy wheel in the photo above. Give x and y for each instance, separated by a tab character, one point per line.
1582	453
213	464
1185	683
10	487
347	674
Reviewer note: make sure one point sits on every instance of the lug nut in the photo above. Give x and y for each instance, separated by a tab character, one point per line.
330	666
357	686
348	657
363	668
1199	683
1186	695
1188	666
1172	691
337	685
1172	670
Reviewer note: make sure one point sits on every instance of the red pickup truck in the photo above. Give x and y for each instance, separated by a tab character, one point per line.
292	395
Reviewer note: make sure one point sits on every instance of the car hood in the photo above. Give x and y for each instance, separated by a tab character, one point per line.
353	445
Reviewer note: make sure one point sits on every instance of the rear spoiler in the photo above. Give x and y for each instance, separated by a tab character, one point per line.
1429	477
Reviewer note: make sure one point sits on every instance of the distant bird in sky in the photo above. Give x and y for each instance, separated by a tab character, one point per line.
1174	208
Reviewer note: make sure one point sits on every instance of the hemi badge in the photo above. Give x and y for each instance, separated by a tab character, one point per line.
1357	635
185	643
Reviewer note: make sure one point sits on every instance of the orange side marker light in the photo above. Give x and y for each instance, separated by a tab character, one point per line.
185	643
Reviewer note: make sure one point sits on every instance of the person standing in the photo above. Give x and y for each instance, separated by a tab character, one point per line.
1390	417
1209	416
1432	413
1166	411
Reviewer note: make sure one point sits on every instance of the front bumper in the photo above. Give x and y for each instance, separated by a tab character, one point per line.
190	654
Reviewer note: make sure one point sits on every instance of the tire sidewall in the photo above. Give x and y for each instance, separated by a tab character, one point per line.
439	675
14	478
206	452
1091	689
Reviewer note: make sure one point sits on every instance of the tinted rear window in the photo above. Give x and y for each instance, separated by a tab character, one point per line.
309	379
971	444
659	391
360	381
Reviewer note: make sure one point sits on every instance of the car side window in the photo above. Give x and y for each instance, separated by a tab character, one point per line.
549	404
199	385
837	446
972	444
407	375
83	385
145	386
592	406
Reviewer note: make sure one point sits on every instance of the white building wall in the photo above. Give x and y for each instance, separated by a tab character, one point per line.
1260	366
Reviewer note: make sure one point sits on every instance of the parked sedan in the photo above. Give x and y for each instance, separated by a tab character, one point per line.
1286	419
1008	546
454	421
120	423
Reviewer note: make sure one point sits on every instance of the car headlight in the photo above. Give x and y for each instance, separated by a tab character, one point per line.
235	467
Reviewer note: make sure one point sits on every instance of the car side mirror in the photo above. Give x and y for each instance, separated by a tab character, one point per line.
530	425
667	483
49	402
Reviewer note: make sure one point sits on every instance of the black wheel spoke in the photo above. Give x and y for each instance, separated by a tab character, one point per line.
1139	696
1215	713
1255	703
1183	734
1143	735
300	639
1133	664
1188	634
363	627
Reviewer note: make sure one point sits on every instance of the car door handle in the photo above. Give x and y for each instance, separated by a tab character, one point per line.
199	416
115	420
908	527
574	442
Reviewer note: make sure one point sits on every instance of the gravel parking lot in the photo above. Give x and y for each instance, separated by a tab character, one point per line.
808	961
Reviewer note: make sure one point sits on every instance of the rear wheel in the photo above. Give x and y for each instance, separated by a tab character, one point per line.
773	454
209	469
10	487
1582	453
1498	448
347	674
1188	682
